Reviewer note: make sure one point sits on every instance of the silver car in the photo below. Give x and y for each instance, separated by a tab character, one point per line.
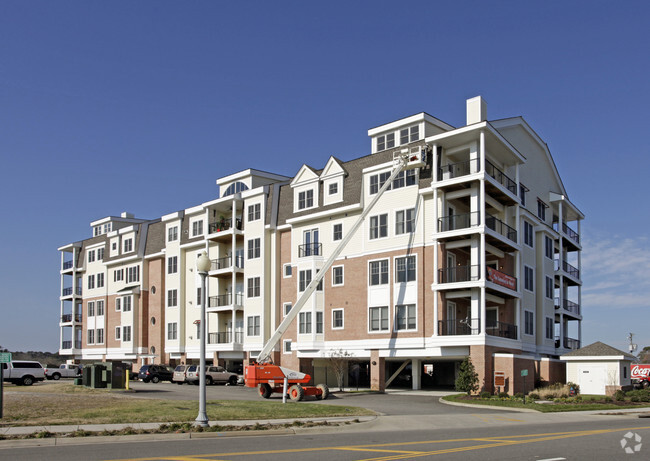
180	374
213	375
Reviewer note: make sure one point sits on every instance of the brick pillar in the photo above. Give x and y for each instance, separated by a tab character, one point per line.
377	371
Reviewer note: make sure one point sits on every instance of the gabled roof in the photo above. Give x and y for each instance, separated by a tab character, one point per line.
333	166
598	349
305	174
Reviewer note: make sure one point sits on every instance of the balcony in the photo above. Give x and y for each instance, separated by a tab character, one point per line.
458	221
500	227
68	291
68	345
458	274
500	177
454	170
67	265
226	300
224	225
226	263
225	337
568	343
310	249
502	330
568	268
568	306
67	318
459	327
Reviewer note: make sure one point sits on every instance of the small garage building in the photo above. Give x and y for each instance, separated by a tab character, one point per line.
598	368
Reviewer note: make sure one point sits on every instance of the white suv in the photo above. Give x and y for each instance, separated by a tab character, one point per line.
212	375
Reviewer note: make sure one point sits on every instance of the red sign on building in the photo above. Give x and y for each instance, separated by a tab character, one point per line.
501	279
640	371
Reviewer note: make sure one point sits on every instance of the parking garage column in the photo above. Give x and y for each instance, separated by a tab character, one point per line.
416	377
377	371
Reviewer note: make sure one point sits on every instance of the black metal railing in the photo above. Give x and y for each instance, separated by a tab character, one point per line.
501	329
454	170
568	343
67	318
571	306
458	274
573	235
66	344
310	249
458	221
224	225
68	291
500	227
226	300
67	265
500	177
568	268
459	327
225	337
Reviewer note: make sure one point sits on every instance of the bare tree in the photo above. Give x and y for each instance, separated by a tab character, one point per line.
338	363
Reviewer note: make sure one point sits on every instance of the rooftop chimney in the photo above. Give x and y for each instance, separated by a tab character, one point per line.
127	215
476	110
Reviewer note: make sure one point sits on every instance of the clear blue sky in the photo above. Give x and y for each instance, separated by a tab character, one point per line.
139	106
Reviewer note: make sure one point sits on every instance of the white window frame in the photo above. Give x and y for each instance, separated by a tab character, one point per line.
334	239
381	319
127	245
379	261
127	303
253	248
90	339
99	336
100	280
529	234
172	265
334	284
126	338
99	307
172	233
91	256
549	249
342	311
286	308
254	212
284	270
118	304
172	331
415	312
255	325
91	308
407	258
306	199
375	229
286	346
333	185
304	323
197	228
405	222
255	287
118	333
549	289
532	323
532	278
550	326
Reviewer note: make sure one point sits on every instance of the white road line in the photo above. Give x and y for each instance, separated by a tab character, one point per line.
552	459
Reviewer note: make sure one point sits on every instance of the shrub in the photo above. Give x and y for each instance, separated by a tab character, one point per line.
548	396
578	398
619	395
533	396
644	398
518	395
485	395
467	380
504	395
607	399
635	398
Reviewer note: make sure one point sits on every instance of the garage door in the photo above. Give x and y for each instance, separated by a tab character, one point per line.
592	379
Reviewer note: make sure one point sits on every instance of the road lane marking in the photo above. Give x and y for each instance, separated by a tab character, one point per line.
378	450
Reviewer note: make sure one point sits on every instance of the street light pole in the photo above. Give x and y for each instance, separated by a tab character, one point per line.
202	266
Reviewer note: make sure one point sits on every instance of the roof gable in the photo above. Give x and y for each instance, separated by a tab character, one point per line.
306	174
598	349
333	168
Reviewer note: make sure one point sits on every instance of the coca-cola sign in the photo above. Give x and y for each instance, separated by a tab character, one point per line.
640	371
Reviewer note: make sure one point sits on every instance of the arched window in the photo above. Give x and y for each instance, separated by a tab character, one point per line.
235	188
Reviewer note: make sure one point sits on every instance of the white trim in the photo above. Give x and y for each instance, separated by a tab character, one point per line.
342	276
321	214
342	327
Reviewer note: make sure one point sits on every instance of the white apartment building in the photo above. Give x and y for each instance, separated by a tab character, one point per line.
475	254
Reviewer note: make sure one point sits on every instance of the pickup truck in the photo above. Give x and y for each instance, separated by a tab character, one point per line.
63	371
22	372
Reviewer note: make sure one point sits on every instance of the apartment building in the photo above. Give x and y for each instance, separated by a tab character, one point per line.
477	253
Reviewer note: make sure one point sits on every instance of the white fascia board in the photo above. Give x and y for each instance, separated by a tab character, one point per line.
126	230
250	193
69	246
155	255
458	131
595	358
172	216
117	219
251	172
122	260
425	191
96	245
284	227
194	209
322	214
198	243
516	356
555	197
421	117
381	166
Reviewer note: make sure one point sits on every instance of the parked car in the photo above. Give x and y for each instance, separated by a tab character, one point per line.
180	374
62	371
155	373
212	375
23	372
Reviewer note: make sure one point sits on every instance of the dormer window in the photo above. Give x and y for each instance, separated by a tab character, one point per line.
305	199
334	188
128	245
197	228
408	135
386	141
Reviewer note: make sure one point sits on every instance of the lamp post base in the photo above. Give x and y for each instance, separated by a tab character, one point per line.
202	420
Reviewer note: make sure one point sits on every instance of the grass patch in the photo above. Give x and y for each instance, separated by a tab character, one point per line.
59	404
587	403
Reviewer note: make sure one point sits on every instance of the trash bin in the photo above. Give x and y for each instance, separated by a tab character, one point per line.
78	381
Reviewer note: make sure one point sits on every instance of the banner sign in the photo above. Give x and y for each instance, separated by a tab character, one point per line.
501	279
640	371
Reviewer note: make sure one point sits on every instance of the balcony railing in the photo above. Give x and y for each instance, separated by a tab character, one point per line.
500	227
458	221
459	327
458	274
310	249
568	268
67	318
568	343
226	263
500	177
226	300
66	344
502	329
224	225
68	291
67	265
568	306
573	235
225	337
454	170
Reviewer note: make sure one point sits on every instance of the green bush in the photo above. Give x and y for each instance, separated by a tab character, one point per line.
619	395
485	395
578	398
607	399
504	395
518	395
644	398
533	396
635	398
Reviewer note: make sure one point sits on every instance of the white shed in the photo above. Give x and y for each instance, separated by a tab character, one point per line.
598	368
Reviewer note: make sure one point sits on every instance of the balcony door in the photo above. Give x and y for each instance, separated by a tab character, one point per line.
451	267
310	240
451	317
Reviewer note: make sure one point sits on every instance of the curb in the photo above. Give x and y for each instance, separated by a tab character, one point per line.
471	405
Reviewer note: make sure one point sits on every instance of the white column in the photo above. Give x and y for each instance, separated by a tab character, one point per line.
416	374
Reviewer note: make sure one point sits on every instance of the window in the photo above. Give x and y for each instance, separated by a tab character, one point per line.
100	280
528	323
528	234
118	333
114	246
91	256
405	317
549	288
286	308
100	336
378	317
118	275
172	298
254	287
286	270
91	282
548	247
528	278
550	328
172	264
305	199
91	309
198	330
91	336
386	141
172	331
197	228
304	323
337	275
126	304
378	226
319	323
379	272
404	221
254	248
254	325
337	233
235	188
333	188
128	245
404	179
199	300
337	319
405	269
541	210
126	333
522	194
286	346
172	234
407	135
378	180
118	304
100	307
304	279
133	274
254	212
100	254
